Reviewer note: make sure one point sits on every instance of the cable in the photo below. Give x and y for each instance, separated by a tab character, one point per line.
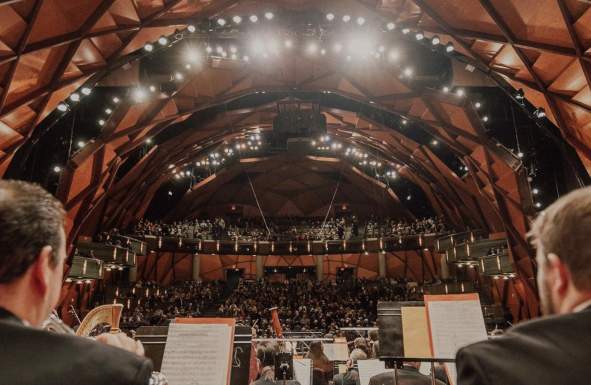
258	205
332	201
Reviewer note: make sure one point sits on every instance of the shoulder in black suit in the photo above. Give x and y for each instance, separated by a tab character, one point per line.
553	351
406	376
349	378
30	356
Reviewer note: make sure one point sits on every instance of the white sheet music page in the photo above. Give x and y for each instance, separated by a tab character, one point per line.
454	321
197	354
370	368
302	370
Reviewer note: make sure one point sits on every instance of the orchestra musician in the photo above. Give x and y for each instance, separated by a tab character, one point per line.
32	257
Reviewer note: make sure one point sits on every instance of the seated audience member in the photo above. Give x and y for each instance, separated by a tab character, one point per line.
32	256
266	352
408	375
351	377
555	349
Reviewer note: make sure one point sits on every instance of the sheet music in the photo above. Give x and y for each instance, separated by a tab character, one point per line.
453	325
336	352
197	354
302	370
370	368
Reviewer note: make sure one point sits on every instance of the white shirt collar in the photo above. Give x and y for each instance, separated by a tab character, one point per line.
582	306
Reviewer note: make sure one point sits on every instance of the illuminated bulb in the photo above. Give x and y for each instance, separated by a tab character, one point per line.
75	97
535	191
346	18
254	18
408	72
178	76
86	91
163	40
360	21
323	51
191	28
538	205
101	122
460	92
57	169
390	26
208	49
434	142
246	58
477	105
446	89
269	15
406	31
237	19
312	48
219	49
419	36
116	100
152	88
222	22
139	94
330	16
435	40
449	47
81	144
149	140
404	122
520	154
62	107
108	111
149	47
485	118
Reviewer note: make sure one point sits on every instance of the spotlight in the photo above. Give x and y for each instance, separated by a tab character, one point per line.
80	144
404	122
449	47
540	113
149	140
116	100
435	40
535	191
57	169
152	88
179	76
538	205
192	55
360	21
445	89
234	56
108	111
346	18
408	197
163	40
222	22
330	16
419	36
62	107
148	47
485	118
191	28
75	97
237	19
408	72
269	15
101	122
139	94
390	26
406	31
434	142
520	154
219	49
460	92
477	105
253	18
86	91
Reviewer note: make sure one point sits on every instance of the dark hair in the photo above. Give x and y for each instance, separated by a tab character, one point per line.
564	229
266	353
30	219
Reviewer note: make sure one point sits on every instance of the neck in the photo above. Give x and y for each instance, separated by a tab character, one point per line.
19	300
573	299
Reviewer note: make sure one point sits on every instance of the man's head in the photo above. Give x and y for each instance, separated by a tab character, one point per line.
32	250
561	236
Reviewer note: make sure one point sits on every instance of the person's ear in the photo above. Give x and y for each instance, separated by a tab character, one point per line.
42	269
559	276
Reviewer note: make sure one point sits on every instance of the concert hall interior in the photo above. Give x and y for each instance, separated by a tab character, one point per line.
326	192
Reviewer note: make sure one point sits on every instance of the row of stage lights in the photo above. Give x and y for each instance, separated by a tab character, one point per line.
194	56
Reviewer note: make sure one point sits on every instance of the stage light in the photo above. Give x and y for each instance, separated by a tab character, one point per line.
390	26
179	76
485	118
538	205
406	31
460	92
234	56
449	47
435	40
192	55
360	21
101	122
540	113
162	40
535	191
75	97
346	18
419	36
149	140
269	15
477	105
253	18
404	122
86	91
222	22
108	111
445	89
57	169
148	47
408	197
434	142
152	88
80	144
330	16
219	49
191	28
139	94
237	19
408	72
116	100
520	154
62	107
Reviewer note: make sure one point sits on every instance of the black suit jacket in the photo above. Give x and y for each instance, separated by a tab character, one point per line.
349	378
30	356
406	376
553	350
